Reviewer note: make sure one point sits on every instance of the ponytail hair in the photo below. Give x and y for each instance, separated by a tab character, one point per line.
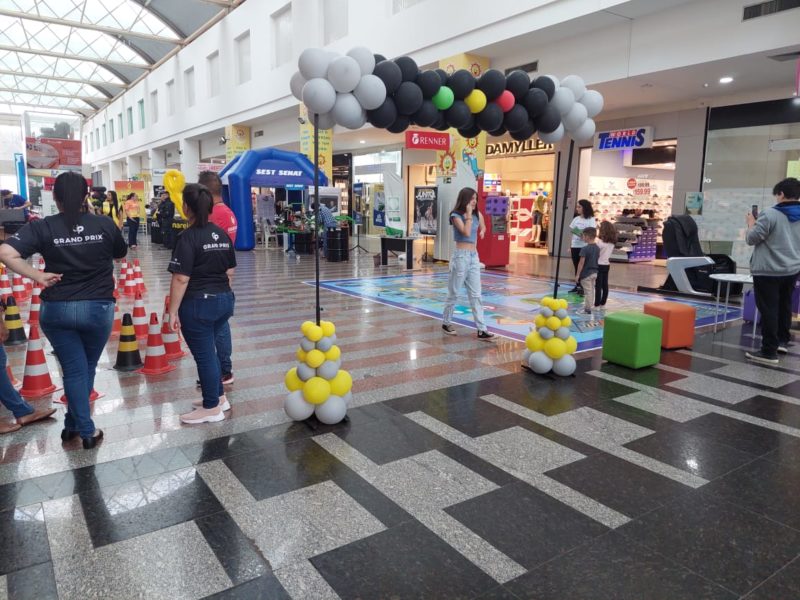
69	191
199	200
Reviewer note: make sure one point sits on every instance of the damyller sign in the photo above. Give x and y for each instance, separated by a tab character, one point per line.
620	139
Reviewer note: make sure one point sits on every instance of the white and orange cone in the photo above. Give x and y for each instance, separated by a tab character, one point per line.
137	272
117	326
130	282
121	280
139	317
155	358
5	285
36	382
18	289
14	381
95	395
28	286
33	314
172	341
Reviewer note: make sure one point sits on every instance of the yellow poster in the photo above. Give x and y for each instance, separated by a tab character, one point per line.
793	168
138	187
307	142
472	151
238	137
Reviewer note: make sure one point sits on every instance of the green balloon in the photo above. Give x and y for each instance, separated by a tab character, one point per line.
443	99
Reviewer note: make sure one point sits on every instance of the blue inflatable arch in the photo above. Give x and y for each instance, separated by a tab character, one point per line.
265	167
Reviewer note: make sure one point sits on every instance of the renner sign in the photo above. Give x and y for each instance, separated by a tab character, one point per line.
619	139
427	140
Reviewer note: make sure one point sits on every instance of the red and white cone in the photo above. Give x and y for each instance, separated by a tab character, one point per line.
130	282
28	286
155	358
172	341
14	381
139	317
18	289
95	395
137	271
36	382
117	326
5	286
33	314
165	319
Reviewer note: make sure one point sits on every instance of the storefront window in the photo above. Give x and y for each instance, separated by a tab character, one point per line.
378	190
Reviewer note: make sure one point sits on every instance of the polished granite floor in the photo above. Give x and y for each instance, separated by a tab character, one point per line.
457	475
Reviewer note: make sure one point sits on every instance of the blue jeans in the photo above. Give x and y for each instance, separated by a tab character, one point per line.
133	229
9	397
465	270
224	346
203	317
78	331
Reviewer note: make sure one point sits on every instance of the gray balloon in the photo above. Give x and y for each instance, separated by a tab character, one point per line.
564	366
563	100
585	132
306	344
546	333
328	370
333	338
562	333
540	363
576	84
296	406
553	137
332	411
370	92
365	59
319	95
304	372
546	312
314	62
593	101
575	117
344	74
326	121
338	363
324	344
348	112
562	313
348	398
526	356
296	83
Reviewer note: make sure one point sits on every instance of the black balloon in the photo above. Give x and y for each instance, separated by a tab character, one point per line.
462	83
525	132
429	83
516	118
408	98
470	132
518	82
492	83
459	115
408	67
443	76
427	114
491	117
535	101
390	74
400	124
549	120
379	58
498	132
545	84
384	115
441	123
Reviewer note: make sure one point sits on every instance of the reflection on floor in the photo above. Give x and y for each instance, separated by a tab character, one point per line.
457	475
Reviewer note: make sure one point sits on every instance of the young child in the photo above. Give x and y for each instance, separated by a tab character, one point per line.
606	243
587	268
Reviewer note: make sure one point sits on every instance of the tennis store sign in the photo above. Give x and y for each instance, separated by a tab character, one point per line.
620	139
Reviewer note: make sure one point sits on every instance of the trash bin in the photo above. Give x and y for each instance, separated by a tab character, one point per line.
338	245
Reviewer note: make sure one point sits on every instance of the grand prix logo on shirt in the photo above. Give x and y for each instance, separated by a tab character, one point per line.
215	236
79	229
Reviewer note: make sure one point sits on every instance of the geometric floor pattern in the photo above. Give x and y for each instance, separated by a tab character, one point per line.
457	475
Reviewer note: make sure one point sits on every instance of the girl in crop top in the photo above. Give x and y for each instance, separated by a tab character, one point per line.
465	267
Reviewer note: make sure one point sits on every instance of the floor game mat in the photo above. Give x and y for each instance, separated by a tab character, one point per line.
510	302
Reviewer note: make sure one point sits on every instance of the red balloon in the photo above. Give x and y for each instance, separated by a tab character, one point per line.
505	101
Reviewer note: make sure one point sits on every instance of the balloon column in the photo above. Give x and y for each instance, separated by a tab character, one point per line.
318	385
362	87
549	345
174	182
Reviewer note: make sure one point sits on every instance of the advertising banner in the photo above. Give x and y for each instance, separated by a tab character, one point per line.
238	137
123	188
378	206
426	209
619	139
307	142
53	153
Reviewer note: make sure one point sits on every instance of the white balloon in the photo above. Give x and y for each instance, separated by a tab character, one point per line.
324	344
585	132
304	372
593	101
332	411
348	398
540	363
554	136
576	84
327	370
319	96
562	333
326	121
370	92
564	366
348	112
313	63
296	407
344	74
563	100
296	84
364	57
306	344
575	118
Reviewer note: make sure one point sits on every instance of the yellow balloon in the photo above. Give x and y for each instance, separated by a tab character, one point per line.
315	358
292	381
174	182
540	321
314	333
328	328
333	354
534	342
562	303
566	322
572	345
301	355
553	323
342	383
555	348
475	101
304	327
316	390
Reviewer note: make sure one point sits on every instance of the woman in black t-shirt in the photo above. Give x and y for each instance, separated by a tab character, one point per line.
78	300
200	298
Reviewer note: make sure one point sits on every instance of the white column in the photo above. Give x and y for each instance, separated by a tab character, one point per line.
134	165
190	156
117	173
158	159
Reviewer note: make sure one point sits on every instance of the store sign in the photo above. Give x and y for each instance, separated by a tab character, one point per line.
427	140
215	167
53	153
514	148
619	139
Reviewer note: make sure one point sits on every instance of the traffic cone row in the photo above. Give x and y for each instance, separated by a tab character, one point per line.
16	332
36	381
155	360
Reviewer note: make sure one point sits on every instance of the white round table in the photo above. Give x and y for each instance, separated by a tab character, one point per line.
728	279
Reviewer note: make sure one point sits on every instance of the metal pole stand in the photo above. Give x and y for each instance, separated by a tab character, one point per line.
358	245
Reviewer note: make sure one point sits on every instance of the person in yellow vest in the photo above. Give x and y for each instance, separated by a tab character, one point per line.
112	209
132	218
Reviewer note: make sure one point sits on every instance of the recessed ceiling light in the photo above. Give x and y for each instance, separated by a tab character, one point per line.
705	85
362	141
725	79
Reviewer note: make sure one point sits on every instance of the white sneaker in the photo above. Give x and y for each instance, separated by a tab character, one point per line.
203	415
223	403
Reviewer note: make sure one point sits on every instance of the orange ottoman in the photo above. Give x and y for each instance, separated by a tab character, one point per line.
678	318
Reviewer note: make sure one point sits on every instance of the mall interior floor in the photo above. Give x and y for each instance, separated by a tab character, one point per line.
456	476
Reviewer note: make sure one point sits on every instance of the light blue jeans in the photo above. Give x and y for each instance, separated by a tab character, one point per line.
465	270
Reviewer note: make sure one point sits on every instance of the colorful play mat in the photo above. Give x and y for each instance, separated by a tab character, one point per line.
510	302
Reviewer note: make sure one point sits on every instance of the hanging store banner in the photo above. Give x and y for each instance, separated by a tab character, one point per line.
307	142
238	137
426	209
125	187
53	153
619	139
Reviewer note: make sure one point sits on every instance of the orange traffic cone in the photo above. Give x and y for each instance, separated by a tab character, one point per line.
130	282
36	382
128	357
14	381
117	326
5	286
28	286
139	317
155	358
95	395
137	272
121	281
33	314
16	332
18	289
172	341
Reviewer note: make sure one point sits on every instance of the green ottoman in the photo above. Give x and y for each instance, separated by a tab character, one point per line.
632	339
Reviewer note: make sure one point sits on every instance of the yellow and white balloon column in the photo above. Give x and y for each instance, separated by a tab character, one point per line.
318	385
549	345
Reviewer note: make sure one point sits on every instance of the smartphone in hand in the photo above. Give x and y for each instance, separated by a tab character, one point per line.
754	210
